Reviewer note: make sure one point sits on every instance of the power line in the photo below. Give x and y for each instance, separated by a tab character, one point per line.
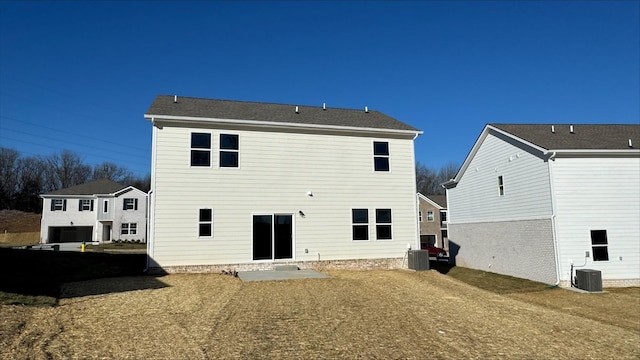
71	133
83	153
68	142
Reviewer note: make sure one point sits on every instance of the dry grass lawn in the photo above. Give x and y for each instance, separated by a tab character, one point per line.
374	314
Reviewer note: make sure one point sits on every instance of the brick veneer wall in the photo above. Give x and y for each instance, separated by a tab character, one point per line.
353	264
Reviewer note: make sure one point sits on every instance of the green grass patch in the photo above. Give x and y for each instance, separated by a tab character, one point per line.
499	284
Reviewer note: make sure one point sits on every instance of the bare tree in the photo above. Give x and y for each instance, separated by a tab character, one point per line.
111	171
23	180
31	183
429	181
8	174
67	169
141	183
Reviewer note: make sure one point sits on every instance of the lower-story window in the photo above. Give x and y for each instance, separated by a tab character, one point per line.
129	229
205	223
599	245
383	224
360	224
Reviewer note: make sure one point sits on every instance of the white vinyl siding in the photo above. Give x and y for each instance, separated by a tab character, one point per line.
598	194
526	179
277	171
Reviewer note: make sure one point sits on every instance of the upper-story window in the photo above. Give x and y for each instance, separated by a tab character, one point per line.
381	156
105	206
443	216
58	205
85	205
200	149
130	204
500	186
420	216
430	216
229	150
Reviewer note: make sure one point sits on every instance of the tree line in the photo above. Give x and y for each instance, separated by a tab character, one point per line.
24	178
429	180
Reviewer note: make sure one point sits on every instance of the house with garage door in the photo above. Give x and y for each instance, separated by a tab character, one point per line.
98	211
543	202
246	185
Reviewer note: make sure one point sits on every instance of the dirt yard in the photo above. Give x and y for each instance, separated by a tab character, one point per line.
363	315
19	228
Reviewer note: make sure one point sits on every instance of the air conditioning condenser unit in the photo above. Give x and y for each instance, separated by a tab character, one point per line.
589	280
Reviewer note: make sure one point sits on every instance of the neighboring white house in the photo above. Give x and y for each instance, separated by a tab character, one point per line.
530	200
97	211
244	185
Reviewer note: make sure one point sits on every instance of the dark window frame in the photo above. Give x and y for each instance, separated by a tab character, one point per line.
229	150
205	222
200	150
359	224
85	205
384	226
381	161
58	204
599	245
130	204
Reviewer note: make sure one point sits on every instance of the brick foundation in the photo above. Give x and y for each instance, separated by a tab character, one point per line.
353	264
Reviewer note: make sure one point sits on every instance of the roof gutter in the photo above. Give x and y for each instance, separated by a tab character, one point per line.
594	152
280	125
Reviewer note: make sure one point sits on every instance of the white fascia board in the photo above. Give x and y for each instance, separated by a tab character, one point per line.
596	152
474	149
279	125
423	197
126	190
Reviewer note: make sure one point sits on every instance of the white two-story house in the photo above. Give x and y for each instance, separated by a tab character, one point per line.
539	201
98	211
244	185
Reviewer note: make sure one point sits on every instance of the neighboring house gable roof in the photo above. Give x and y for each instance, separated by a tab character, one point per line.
621	139
187	107
583	137
439	201
103	186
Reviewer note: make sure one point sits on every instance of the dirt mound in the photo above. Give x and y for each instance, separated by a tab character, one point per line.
14	221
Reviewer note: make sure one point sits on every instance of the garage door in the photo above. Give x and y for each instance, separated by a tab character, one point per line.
60	234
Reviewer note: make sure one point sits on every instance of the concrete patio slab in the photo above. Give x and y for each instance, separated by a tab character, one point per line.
272	275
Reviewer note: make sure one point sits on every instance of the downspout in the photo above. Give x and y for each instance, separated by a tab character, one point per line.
553	219
150	198
149	194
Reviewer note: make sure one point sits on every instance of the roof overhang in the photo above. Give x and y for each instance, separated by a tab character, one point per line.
279	125
550	153
595	152
433	203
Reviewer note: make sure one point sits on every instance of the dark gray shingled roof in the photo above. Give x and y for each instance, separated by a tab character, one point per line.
584	137
438	199
267	112
104	186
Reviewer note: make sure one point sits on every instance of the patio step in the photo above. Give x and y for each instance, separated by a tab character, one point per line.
286	268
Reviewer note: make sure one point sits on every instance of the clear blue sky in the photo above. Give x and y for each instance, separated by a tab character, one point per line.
80	75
